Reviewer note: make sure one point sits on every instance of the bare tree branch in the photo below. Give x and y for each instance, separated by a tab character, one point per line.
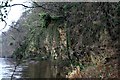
14	28
36	6
15	70
4	26
4	33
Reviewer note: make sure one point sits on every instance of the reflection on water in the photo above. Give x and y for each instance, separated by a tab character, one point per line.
31	69
42	69
7	68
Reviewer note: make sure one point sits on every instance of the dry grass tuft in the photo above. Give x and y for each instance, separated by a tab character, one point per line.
74	74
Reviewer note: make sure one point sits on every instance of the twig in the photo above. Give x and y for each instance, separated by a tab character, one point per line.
37	5
14	28
15	70
4	26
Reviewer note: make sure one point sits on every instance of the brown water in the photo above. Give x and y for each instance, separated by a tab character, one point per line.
30	69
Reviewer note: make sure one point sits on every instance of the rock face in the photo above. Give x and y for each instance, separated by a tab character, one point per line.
13	37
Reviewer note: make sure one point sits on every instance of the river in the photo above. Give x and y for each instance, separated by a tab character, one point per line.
29	69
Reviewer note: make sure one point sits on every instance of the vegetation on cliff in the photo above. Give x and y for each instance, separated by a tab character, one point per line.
84	35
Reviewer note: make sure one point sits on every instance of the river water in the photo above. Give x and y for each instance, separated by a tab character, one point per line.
29	69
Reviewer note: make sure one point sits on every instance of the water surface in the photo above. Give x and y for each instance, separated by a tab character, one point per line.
29	69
